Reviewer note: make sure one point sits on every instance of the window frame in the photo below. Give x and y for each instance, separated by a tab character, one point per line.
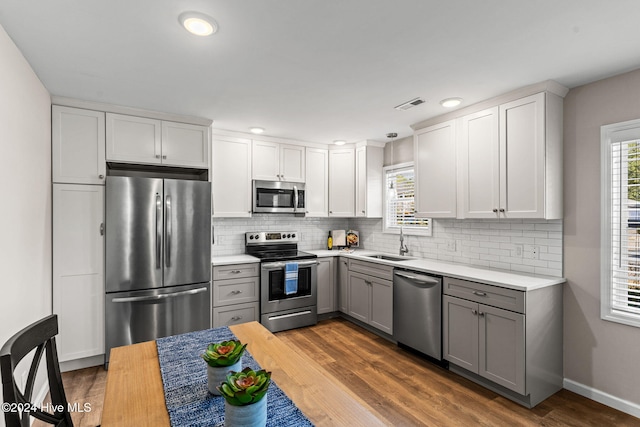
609	135
406	230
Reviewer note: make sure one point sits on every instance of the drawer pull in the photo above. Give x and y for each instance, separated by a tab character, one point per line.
236	318
235	272
236	292
480	294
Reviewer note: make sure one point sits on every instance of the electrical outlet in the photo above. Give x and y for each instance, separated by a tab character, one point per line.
518	249
535	252
451	245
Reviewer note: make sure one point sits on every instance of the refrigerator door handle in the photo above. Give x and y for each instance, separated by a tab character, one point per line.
168	220
160	297
158	231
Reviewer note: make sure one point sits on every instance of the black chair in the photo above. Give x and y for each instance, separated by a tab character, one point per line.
41	337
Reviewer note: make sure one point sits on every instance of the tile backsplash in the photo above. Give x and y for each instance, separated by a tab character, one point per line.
520	245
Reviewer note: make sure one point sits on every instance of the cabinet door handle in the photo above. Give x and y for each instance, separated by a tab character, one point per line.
367	282
164	157
480	294
474	311
502	210
100	176
495	210
362	211
157	156
102	228
236	292
330	211
481	314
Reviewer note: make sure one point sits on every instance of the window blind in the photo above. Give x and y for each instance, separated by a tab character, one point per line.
400	187
625	226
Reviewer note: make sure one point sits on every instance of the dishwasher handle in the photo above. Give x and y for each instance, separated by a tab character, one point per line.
420	279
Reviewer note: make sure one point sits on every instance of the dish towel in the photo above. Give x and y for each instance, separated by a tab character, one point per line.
291	278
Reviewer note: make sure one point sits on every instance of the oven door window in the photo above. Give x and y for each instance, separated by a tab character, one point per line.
276	284
274	198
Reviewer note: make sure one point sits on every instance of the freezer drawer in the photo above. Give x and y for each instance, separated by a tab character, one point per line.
133	317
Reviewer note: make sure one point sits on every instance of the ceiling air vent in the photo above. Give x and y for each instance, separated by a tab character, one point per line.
409	104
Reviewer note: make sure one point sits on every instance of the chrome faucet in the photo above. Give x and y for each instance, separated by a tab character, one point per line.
403	248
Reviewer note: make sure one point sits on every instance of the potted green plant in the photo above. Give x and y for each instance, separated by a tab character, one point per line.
222	358
244	393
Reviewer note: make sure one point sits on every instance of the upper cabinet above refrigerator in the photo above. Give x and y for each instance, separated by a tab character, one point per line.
131	139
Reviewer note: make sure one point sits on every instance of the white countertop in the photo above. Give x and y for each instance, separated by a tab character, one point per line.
233	259
502	278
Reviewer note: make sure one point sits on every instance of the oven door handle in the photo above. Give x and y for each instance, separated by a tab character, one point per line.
279	264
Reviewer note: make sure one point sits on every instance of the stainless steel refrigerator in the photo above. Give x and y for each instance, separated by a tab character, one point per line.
158	258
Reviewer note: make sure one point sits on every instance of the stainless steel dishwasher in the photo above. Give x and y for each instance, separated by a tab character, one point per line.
417	311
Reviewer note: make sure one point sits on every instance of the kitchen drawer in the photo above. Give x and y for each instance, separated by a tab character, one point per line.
236	271
371	269
235	314
236	291
509	299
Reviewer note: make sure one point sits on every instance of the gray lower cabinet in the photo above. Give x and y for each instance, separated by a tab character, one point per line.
343	285
236	294
370	296
326	285
517	351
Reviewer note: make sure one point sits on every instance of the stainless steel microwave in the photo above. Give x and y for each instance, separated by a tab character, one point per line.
278	197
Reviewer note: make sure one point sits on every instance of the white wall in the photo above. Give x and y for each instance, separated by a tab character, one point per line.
25	204
600	357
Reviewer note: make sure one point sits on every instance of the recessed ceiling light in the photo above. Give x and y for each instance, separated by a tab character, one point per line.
256	130
339	142
198	23
451	102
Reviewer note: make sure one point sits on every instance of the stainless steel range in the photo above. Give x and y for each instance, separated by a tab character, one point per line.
288	280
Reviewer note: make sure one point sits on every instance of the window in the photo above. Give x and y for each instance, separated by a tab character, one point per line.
620	233
399	202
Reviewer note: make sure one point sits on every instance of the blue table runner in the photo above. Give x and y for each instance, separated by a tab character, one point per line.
184	377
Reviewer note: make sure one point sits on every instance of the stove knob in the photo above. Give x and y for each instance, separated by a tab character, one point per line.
293	235
257	237
251	237
288	236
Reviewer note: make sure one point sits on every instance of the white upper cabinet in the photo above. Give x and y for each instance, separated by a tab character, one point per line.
342	182
78	155
317	185
522	158
511	160
369	182
435	169
273	161
231	176
132	139
479	164
185	145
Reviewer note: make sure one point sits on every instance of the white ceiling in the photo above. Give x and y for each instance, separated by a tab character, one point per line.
318	70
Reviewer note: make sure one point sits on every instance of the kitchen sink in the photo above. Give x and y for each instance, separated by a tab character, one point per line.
389	257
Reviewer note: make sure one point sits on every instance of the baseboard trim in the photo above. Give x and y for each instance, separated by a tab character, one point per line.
602	397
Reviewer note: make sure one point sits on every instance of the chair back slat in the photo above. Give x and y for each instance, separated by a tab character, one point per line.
41	337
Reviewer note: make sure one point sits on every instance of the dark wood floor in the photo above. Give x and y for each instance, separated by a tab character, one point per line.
406	389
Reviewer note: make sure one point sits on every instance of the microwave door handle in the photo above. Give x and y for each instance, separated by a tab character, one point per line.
295	198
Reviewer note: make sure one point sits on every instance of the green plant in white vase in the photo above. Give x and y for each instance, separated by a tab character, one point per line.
245	397
222	358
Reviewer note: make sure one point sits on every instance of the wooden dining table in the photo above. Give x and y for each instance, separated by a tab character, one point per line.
134	393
